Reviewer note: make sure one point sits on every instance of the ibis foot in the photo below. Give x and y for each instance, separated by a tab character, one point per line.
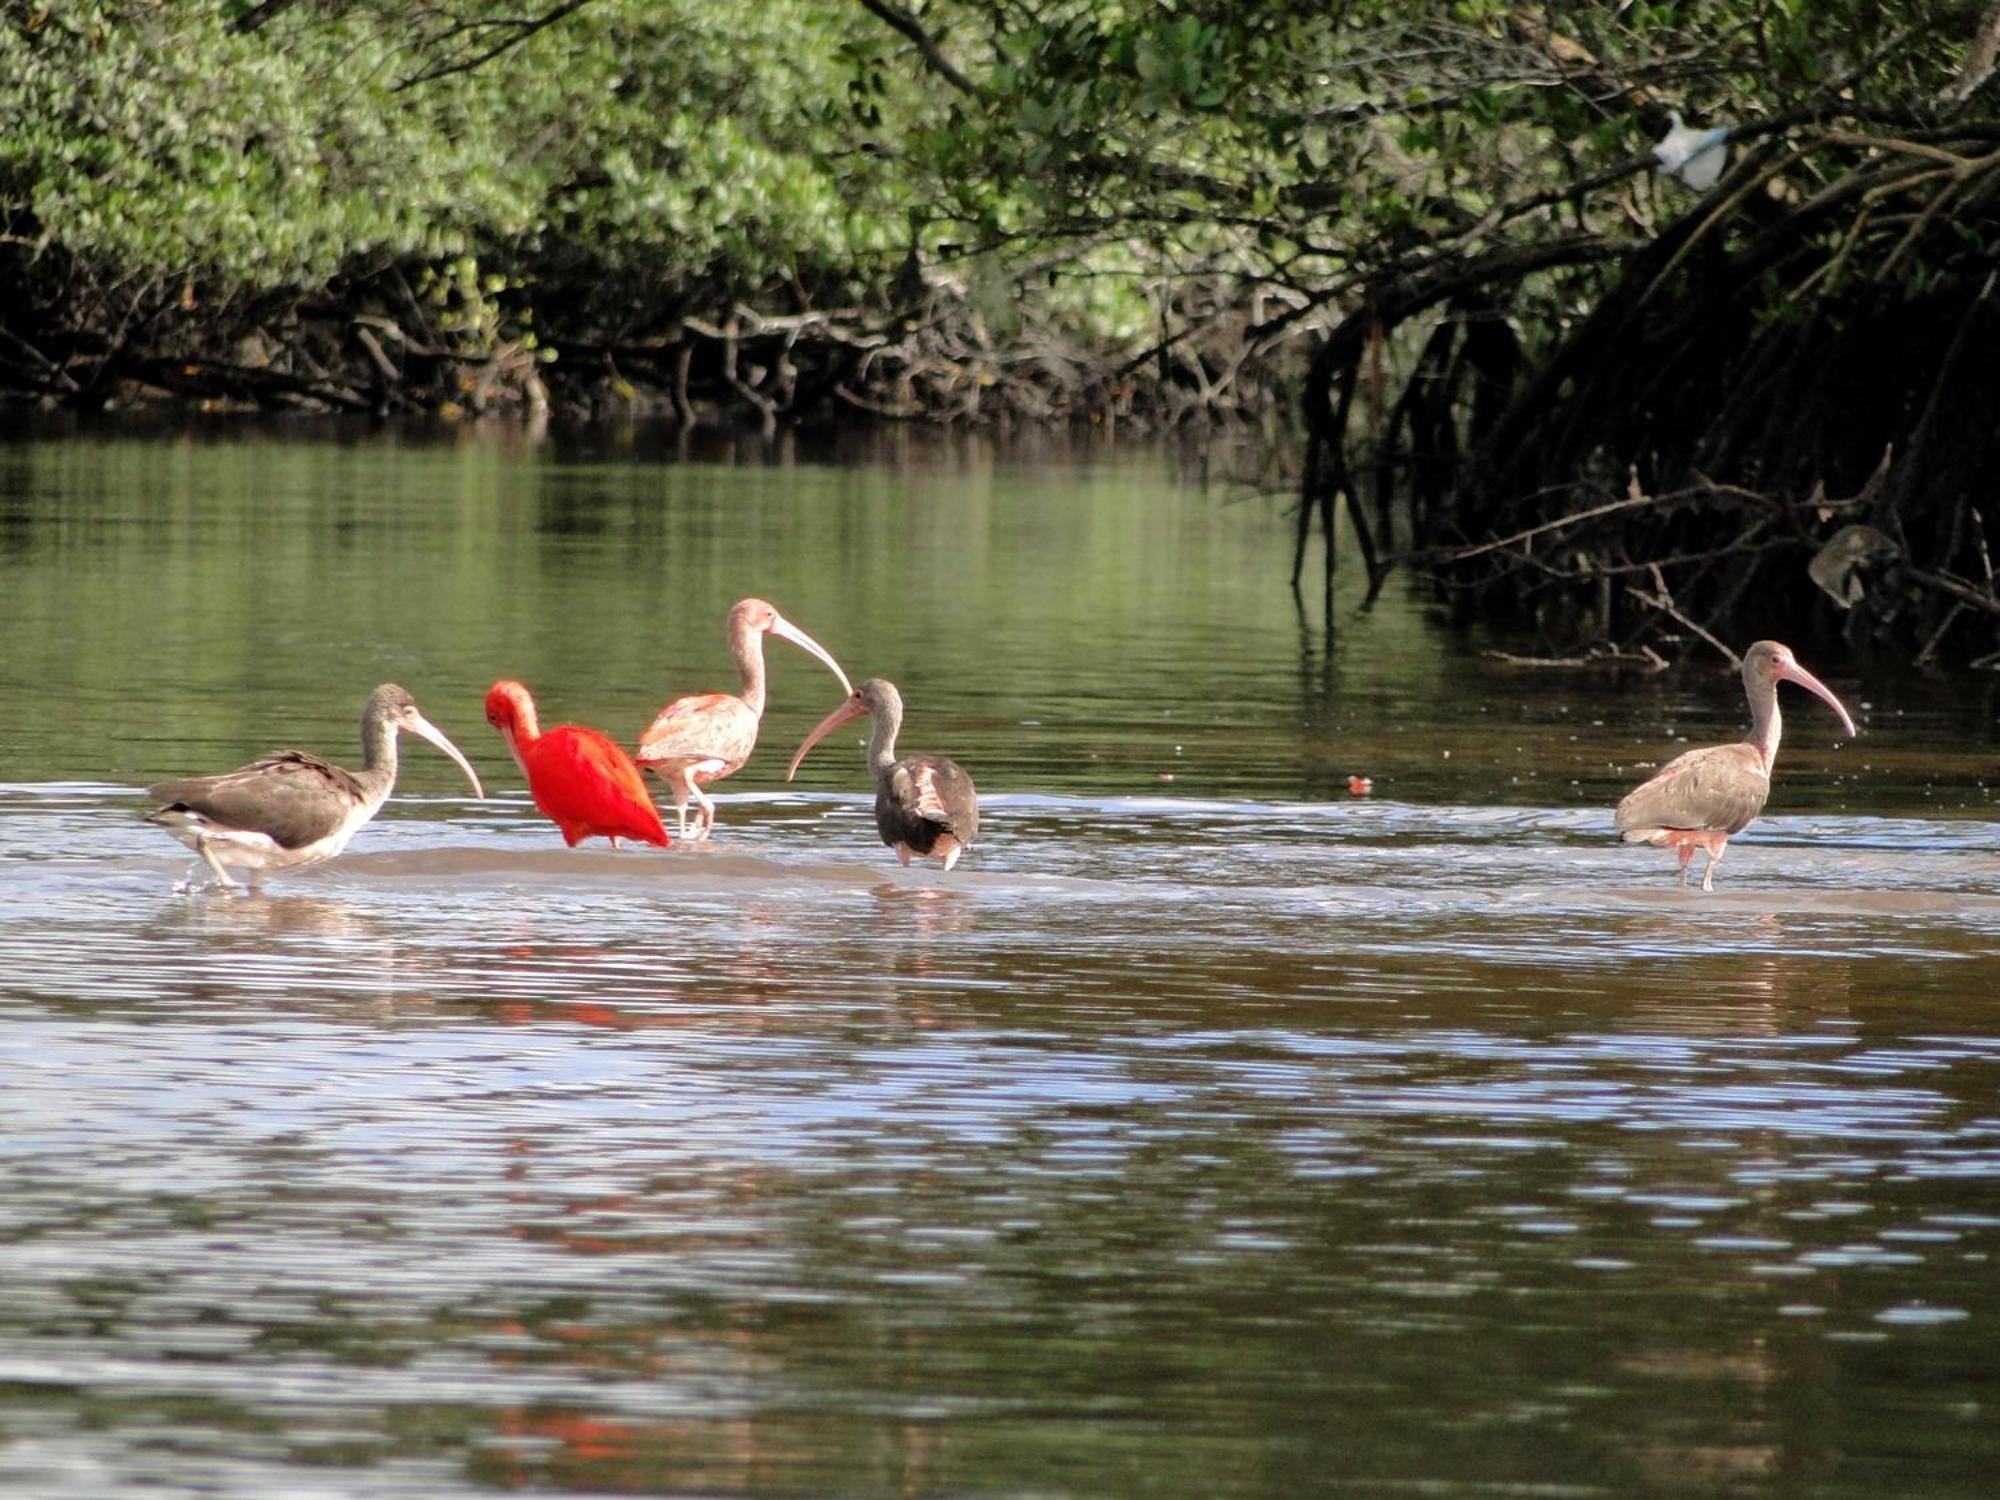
192	884
208	858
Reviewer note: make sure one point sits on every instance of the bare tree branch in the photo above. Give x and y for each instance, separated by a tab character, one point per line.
518	33
901	20
1979	58
257	16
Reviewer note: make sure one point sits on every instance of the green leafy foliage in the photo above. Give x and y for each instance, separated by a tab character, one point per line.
1309	147
157	140
639	157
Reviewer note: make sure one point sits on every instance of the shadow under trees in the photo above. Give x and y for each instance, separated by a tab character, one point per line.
1628	405
1778	409
1760	418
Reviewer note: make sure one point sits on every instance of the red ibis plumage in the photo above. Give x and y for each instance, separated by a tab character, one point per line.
581	780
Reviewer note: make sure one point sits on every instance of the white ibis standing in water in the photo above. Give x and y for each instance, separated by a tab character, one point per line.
924	804
292	809
1697	800
707	736
581	780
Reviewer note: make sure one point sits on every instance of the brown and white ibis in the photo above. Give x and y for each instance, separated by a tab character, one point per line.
925	805
292	809
704	737
581	780
1698	800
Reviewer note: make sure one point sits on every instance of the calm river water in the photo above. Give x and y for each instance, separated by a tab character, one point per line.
1209	1132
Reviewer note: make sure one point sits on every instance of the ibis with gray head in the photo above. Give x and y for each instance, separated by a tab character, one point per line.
291	809
925	805
1700	799
706	736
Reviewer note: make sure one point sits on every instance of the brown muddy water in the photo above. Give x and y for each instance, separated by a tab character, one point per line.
1209	1131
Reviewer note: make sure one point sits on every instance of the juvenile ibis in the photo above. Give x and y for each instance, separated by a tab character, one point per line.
581	780
1698	800
292	809
925	805
704	737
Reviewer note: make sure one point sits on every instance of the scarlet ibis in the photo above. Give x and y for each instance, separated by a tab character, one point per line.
1698	800
292	809
1697	157
580	778
706	736
925	805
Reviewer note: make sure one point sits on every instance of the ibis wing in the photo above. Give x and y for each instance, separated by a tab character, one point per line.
1717	789
703	726
292	796
582	776
936	791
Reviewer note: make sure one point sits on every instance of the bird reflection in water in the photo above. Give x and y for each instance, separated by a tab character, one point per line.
307	948
1750	994
631	987
907	927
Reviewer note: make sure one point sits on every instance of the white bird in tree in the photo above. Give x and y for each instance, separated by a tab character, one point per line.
1697	157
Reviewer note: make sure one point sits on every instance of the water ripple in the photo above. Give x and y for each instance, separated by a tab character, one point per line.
573	1154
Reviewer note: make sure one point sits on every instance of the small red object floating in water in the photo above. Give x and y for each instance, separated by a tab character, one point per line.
1359	786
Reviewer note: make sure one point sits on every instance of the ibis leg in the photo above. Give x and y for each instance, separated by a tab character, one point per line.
684	789
221	875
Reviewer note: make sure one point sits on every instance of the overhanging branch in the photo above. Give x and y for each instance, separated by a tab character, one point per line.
900	20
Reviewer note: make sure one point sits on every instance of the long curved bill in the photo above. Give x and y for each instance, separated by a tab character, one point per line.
853	708
782	626
1793	672
418	724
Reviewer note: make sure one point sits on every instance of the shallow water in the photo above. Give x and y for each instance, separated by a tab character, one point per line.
1222	1135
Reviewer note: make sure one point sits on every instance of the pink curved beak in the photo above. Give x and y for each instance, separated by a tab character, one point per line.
853	708
417	724
780	626
1793	672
